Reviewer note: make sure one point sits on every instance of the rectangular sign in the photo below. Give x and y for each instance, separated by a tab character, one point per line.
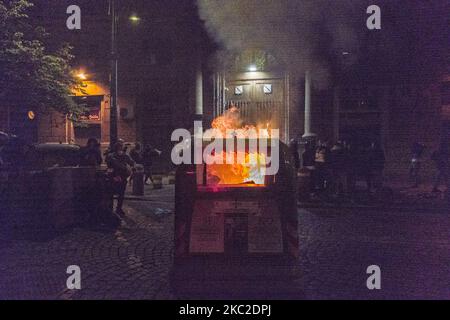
263	230
207	229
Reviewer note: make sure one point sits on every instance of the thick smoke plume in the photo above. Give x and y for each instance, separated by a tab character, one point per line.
303	34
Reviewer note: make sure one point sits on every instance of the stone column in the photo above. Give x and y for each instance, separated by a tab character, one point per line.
308	133
199	92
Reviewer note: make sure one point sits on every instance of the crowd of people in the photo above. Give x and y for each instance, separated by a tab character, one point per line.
440	158
335	169
121	164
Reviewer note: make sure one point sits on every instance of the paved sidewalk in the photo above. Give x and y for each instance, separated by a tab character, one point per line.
400	197
149	190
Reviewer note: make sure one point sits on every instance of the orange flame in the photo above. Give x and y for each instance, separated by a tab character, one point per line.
251	172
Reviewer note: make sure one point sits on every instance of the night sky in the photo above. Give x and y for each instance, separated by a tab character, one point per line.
414	42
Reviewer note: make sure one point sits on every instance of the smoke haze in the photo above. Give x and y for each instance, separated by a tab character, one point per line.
300	33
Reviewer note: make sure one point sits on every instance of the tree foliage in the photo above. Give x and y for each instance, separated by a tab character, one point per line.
30	76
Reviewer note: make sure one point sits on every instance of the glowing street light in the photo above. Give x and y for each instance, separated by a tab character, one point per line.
252	68
81	76
134	18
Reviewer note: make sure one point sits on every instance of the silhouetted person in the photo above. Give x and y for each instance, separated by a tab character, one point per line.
136	154
338	162
441	160
309	163
417	150
121	165
322	165
309	156
91	155
108	151
375	166
148	155
293	149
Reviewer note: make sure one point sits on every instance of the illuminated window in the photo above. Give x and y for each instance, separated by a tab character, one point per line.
267	89
92	105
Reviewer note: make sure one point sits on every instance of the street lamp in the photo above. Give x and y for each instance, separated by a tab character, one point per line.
113	84
134	18
81	76
113	118
252	68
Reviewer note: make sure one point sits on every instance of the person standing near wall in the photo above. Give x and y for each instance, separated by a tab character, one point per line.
293	149
91	154
136	155
121	165
322	166
148	154
309	164
338	169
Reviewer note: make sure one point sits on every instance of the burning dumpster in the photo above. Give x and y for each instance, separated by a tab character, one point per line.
235	225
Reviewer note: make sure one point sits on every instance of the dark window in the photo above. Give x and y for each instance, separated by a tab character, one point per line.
159	52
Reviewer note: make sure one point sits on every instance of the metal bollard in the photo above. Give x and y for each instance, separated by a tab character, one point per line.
138	180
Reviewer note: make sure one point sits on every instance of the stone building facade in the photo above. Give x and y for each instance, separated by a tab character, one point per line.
53	127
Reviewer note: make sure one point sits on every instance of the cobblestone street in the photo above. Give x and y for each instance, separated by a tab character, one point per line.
336	247
131	262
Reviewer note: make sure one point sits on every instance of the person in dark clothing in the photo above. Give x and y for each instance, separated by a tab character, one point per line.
293	149
309	156
121	165
148	154
108	150
338	168
322	160
308	162
91	154
375	165
136	154
417	150
441	159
